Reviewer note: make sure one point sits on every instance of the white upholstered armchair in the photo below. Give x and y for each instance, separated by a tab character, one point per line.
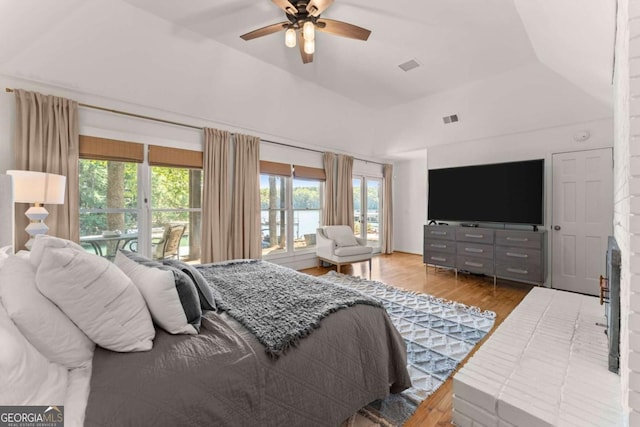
337	245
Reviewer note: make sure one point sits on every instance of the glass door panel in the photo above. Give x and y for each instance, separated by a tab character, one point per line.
372	216
357	207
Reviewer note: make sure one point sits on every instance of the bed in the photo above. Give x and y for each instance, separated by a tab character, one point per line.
217	370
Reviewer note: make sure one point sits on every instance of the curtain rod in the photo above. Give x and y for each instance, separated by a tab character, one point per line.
169	122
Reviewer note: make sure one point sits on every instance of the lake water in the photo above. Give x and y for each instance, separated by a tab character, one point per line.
305	222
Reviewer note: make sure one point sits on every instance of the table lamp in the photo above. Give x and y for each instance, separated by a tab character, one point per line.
39	188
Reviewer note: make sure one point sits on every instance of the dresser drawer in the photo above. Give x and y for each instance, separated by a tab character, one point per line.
518	255
440	258
524	239
442	232
446	246
475	265
476	235
475	250
522	273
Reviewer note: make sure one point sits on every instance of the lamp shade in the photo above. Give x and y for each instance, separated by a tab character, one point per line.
38	187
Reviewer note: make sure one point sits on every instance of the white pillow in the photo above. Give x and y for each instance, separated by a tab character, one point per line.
5	252
27	377
97	297
170	294
341	234
44	241
41	321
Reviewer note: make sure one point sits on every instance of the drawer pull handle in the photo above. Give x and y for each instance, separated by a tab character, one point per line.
437	258
434	245
439	233
517	255
474	264
517	270
518	239
474	250
474	236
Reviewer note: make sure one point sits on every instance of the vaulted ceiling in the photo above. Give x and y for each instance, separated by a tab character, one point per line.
503	65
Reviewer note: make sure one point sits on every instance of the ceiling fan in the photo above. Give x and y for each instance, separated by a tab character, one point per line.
303	20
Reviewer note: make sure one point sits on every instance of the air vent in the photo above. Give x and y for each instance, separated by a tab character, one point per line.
409	65
450	119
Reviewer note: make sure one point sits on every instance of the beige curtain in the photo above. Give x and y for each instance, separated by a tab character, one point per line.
46	140
329	205
216	197
344	191
245	227
387	209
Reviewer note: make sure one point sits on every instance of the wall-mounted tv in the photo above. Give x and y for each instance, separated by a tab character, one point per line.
510	193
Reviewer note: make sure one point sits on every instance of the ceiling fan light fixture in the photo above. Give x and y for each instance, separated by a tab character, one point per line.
290	37
309	31
309	47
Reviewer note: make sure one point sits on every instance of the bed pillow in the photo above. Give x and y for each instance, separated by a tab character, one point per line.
97	297
5	252
170	294
207	300
43	241
50	331
342	235
28	378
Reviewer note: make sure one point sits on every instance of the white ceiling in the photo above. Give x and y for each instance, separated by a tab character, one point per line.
505	66
455	41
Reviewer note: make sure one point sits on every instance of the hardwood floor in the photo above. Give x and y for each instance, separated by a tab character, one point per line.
407	271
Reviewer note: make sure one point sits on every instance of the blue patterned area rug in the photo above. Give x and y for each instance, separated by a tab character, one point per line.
439	334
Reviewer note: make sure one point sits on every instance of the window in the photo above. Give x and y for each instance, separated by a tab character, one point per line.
367	197
176	199
273	215
306	212
108	206
291	201
176	203
108	195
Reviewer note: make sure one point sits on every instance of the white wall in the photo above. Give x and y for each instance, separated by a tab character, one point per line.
627	200
410	202
410	184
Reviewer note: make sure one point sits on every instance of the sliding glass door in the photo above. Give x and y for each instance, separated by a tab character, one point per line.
367	206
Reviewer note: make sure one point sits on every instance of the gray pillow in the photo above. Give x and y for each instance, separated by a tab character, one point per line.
157	287
207	300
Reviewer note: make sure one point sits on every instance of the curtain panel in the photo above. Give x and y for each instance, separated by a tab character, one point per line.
245	228
216	197
387	209
47	140
344	191
329	205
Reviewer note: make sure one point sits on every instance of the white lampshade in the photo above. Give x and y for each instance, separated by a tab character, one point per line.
38	187
309	31
290	38
309	47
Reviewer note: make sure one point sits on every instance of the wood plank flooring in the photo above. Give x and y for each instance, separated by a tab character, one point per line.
407	271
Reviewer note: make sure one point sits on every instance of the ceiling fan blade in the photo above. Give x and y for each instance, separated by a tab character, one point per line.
306	58
316	7
286	6
343	29
269	29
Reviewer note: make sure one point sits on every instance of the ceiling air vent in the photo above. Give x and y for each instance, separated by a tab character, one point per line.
450	119
409	65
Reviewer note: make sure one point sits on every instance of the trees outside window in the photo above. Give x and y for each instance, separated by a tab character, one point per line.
176	198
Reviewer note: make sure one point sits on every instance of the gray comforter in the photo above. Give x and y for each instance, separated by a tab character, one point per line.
223	377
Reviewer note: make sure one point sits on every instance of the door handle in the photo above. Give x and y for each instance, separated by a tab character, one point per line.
556	227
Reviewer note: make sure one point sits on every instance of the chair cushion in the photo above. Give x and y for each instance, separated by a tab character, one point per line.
341	234
353	250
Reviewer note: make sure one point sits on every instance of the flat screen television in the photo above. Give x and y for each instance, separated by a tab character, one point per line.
510	193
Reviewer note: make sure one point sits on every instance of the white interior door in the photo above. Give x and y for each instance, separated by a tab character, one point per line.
582	218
